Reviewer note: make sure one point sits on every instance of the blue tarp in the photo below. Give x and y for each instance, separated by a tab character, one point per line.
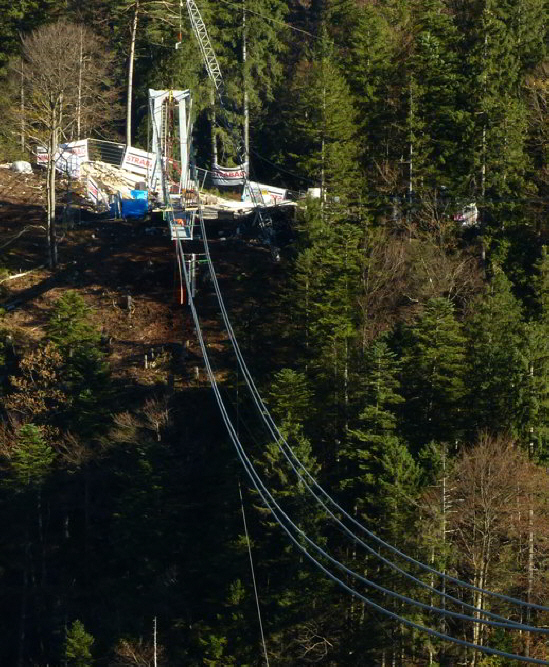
140	194
136	207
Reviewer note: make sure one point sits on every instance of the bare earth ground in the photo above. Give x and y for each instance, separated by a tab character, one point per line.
105	261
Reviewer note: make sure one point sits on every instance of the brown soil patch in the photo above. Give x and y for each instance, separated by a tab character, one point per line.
108	260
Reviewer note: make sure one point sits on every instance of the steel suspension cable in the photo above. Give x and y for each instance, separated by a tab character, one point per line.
499	622
291	458
281	517
271	503
253	575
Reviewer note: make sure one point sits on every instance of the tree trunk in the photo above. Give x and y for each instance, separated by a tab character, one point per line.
79	102
323	153
130	76
530	572
246	104
22	107
87	523
480	582
52	240
411	153
154	643
213	136
432	583
23	617
50	186
483	164
530	539
23	609
443	627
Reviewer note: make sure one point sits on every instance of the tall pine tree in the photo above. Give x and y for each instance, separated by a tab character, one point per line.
434	360
496	363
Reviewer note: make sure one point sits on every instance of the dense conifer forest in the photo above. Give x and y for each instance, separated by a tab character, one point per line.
401	345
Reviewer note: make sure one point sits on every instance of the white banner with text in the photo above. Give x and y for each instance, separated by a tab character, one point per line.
138	161
229	176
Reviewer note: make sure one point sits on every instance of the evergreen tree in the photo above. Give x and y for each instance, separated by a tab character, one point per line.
495	359
372	69
78	645
291	397
535	401
85	372
533	419
265	47
387	474
439	121
434	360
70	326
30	462
249	48
536	97
379	480
327	284
32	458
296	584
20	18
541	283
493	64
364	450
323	125
399	484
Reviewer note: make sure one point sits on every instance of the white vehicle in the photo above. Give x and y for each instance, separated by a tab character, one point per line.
468	215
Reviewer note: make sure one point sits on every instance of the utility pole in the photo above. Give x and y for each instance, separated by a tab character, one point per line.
130	75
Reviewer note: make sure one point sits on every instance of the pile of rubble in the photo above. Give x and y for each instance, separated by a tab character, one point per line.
112	179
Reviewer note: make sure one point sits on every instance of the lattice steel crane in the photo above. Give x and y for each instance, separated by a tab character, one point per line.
208	53
214	72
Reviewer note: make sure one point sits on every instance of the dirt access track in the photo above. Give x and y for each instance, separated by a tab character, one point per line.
106	261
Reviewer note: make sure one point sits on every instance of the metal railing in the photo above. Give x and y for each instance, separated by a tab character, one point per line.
110	152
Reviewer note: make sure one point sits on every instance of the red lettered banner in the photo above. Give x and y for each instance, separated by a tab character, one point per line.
227	176
138	161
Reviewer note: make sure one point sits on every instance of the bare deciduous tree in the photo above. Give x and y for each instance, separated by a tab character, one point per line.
138	654
401	274
161	11
64	78
495	500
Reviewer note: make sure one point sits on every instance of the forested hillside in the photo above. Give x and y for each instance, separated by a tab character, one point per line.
401	345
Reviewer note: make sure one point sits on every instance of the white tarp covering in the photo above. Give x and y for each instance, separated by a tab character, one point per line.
68	157
21	167
264	194
67	163
229	176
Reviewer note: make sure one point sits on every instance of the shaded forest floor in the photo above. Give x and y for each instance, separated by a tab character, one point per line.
116	505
